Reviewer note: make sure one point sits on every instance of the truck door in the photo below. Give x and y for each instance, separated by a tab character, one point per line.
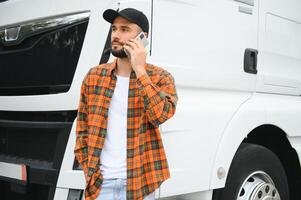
204	45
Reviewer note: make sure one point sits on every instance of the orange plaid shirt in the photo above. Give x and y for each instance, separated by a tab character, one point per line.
152	100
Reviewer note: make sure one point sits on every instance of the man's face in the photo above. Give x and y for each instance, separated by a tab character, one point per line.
122	31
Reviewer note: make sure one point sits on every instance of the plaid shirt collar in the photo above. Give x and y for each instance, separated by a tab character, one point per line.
113	66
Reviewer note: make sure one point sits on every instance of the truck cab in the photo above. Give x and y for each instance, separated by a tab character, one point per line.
237	70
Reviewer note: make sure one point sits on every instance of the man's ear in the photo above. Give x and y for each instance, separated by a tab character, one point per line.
146	34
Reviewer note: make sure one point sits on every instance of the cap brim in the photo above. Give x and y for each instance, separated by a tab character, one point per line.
110	15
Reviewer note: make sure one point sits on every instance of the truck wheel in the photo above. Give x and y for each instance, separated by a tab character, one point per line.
256	173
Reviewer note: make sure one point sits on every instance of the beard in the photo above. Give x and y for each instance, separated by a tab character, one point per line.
118	53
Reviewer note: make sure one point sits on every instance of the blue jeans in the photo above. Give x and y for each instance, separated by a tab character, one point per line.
115	189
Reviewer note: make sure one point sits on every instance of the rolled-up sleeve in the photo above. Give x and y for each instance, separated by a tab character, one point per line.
159	99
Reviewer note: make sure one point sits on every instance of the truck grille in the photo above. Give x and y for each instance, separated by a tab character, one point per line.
39	144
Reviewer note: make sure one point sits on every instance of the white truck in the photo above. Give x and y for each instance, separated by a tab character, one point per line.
236	134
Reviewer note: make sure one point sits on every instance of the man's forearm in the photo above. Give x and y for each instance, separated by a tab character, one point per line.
159	102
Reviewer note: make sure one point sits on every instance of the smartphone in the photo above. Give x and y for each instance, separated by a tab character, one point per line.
142	37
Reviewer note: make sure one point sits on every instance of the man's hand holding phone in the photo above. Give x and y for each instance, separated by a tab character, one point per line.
136	52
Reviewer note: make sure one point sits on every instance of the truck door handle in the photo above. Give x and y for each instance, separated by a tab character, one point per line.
250	61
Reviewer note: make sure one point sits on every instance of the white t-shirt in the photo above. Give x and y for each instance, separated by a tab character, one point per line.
113	157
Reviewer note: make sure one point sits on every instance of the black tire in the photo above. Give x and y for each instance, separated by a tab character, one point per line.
250	159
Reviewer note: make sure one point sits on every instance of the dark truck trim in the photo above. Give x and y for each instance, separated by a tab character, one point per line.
37	143
41	56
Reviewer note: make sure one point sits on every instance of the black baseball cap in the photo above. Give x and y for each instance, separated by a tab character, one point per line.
131	14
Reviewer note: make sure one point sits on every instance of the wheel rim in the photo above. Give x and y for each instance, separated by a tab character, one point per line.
258	186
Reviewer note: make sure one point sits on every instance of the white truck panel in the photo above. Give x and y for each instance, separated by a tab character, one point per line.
204	51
